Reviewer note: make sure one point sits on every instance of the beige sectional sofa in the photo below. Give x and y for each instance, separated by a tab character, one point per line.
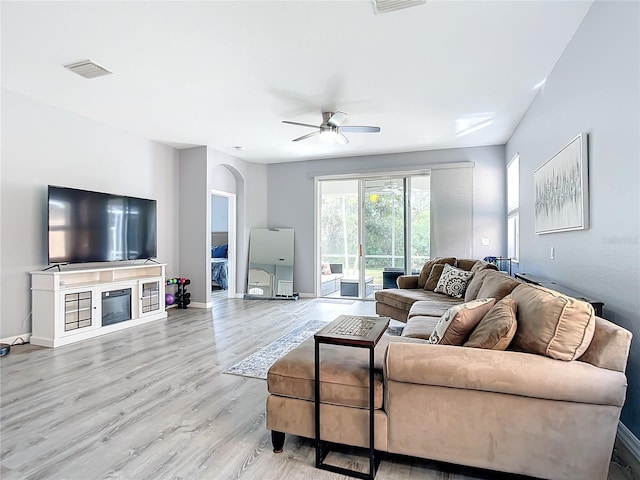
547	407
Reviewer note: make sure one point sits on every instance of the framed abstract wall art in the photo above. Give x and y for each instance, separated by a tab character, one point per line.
561	189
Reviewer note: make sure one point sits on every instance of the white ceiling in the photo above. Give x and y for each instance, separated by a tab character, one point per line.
225	74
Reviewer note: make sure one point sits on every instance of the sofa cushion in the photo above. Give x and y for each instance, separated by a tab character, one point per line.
402	299
435	305
465	264
344	375
496	285
473	287
454	326
453	281
552	324
420	327
326	269
497	328
480	265
426	268
434	276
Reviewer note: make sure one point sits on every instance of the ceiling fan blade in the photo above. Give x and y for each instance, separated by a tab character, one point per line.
359	129
341	139
301	124
336	119
304	137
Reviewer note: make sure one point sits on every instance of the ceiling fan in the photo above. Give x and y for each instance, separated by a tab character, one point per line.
330	128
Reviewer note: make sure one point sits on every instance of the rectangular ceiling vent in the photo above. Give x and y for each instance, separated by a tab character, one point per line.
385	6
88	69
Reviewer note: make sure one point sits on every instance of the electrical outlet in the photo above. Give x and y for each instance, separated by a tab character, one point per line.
552	255
484	242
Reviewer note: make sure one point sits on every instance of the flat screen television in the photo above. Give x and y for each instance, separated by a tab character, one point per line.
87	226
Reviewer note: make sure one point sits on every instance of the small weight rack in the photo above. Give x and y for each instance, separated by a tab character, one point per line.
182	298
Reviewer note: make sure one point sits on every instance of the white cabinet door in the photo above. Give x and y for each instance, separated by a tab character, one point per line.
80	311
151	296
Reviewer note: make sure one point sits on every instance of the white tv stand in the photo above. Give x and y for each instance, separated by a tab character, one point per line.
67	304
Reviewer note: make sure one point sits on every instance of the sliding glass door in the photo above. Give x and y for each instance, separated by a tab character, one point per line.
339	237
370	230
384	233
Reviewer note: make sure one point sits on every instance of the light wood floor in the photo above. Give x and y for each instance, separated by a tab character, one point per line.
151	402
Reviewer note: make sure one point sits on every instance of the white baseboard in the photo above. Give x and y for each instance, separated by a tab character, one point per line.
25	336
629	440
307	295
201	305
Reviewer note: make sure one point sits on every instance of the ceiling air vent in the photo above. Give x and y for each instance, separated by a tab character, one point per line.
384	6
88	69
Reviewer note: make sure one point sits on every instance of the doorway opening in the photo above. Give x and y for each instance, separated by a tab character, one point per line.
223	243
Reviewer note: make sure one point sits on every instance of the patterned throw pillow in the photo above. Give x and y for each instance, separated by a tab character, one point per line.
454	326
453	281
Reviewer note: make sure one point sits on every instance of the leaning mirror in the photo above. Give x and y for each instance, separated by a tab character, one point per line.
271	263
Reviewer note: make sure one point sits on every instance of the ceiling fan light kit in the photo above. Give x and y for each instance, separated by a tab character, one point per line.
330	128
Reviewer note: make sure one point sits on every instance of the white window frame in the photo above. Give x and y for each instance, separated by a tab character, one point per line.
513	209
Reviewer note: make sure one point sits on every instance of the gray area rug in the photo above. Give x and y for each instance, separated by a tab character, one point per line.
257	364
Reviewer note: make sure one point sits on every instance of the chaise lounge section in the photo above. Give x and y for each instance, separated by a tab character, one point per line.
396	302
545	402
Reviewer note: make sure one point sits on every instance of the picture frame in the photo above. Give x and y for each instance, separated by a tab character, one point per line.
562	189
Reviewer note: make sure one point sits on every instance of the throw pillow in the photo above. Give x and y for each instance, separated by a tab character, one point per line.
453	281
434	276
454	326
219	251
552	324
426	269
326	269
497	285
498	327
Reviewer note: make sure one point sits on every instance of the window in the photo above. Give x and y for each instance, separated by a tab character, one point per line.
513	209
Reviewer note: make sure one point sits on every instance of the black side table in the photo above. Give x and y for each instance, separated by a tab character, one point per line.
351	331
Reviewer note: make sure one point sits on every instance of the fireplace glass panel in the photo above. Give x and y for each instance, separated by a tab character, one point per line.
116	306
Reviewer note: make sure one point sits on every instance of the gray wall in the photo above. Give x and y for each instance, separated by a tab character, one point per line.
594	88
291	197
44	145
194	230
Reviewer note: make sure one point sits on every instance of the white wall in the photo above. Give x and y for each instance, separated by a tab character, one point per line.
291	201
594	88
44	145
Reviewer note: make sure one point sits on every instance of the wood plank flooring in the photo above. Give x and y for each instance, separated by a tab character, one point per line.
151	402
